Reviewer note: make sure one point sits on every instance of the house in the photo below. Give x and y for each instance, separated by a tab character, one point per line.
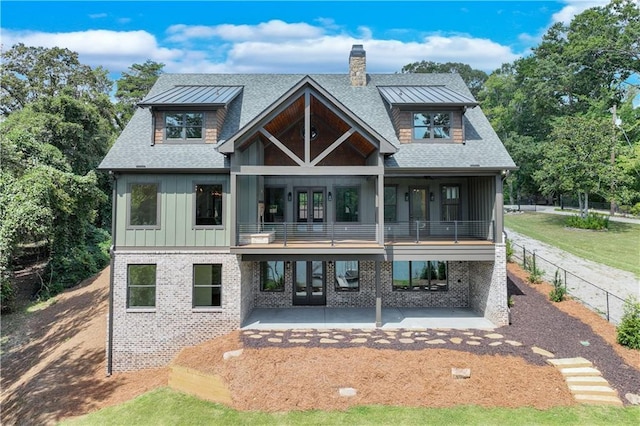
242	191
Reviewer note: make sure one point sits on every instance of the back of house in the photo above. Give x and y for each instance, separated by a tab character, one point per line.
242	191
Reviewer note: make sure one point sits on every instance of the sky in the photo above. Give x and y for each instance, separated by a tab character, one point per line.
286	36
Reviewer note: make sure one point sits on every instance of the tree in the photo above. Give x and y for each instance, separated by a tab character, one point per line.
29	73
576	159
133	86
472	77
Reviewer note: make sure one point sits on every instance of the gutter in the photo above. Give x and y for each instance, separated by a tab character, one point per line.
112	253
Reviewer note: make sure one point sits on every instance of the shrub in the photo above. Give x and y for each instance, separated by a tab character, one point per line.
635	210
558	292
509	248
7	295
628	332
535	276
593	221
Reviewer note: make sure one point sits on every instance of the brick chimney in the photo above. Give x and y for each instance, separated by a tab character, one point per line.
358	66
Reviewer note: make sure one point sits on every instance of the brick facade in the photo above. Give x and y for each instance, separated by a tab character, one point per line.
144	338
488	287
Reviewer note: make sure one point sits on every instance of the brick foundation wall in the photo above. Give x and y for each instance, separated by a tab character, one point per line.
488	288
456	297
144	338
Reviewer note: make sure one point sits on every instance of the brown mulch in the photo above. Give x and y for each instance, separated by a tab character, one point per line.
53	365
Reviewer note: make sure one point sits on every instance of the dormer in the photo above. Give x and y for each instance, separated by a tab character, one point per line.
189	114
427	114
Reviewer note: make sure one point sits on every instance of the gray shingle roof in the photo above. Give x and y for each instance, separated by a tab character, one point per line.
259	91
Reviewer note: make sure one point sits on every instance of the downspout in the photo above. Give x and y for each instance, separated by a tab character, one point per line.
112	252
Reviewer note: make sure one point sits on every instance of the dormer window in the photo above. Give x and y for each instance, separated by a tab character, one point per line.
184	126
431	125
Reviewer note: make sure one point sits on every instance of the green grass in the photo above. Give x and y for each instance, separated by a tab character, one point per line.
619	247
167	407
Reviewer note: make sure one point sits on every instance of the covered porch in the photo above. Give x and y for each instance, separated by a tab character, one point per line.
320	317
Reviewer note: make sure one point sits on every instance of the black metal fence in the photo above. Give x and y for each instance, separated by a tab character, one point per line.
596	298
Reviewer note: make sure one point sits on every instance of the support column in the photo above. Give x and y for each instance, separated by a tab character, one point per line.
378	296
380	202
499	210
233	190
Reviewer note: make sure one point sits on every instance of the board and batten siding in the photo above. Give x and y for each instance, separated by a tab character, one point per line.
177	217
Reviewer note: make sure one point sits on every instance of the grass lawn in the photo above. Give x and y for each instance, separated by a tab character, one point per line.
619	247
167	407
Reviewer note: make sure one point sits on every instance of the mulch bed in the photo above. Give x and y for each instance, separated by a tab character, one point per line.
535	321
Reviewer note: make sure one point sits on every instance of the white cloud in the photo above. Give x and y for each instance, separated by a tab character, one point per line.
269	47
274	29
575	7
114	50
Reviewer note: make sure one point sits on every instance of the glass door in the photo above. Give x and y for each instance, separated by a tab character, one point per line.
310	283
419	211
310	213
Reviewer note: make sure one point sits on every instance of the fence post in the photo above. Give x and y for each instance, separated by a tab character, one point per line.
534	262
524	257
607	293
565	279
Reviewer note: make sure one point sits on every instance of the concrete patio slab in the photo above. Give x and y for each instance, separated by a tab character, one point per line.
364	318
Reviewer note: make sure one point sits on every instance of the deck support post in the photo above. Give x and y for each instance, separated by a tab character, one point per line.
378	296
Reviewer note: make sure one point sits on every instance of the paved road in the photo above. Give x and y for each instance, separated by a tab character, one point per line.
589	281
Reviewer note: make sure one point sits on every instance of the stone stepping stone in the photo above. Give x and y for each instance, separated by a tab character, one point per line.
325	340
422	338
347	392
467	333
440	334
461	373
280	334
473	342
274	340
407	334
570	362
436	342
265	333
323	334
358	340
456	340
232	354
495	343
338	337
255	336
540	351
580	371
599	400
586	381
383	341
298	340
405	340
513	343
475	337
494	336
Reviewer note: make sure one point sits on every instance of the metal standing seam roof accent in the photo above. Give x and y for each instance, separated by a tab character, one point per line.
424	95
194	95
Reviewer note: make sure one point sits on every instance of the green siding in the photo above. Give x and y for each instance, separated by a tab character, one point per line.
176	213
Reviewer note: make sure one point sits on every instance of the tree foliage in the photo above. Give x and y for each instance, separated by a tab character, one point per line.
30	73
57	128
133	86
474	78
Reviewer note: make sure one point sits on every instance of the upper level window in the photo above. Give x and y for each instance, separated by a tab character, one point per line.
208	204
184	126
390	204
431	125
347	200
450	202
144	205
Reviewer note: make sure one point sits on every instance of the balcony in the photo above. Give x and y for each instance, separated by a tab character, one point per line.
331	234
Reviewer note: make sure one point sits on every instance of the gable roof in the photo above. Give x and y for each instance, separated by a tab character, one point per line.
260	92
295	91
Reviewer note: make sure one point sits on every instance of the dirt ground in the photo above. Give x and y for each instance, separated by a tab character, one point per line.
53	367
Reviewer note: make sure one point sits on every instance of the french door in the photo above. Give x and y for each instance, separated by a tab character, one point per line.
419	211
310	286
310	205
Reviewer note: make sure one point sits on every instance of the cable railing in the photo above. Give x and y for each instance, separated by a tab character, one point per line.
354	232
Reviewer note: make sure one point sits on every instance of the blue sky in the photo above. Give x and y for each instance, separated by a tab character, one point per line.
286	36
